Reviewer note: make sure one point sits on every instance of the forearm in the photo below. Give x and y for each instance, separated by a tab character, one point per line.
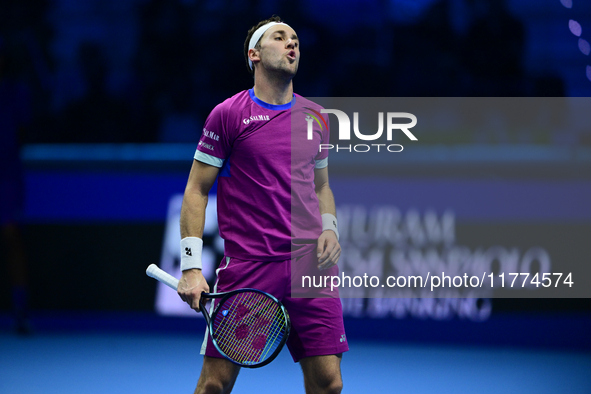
193	214
326	200
192	282
192	220
328	249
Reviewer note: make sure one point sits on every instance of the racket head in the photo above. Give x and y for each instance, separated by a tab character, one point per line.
249	327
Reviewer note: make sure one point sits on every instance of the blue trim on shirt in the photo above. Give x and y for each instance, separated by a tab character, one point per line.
225	170
273	107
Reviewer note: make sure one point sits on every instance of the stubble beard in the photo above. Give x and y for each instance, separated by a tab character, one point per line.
280	70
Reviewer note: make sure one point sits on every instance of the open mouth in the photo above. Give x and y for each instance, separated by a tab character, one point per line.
291	55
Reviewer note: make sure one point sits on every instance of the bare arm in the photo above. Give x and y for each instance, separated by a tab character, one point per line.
325	196
201	178
329	249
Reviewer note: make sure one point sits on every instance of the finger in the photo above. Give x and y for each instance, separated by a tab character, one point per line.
182	296
195	304
197	300
332	259
199	296
331	263
337	257
321	246
328	248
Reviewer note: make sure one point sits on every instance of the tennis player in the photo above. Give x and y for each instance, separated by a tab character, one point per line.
276	211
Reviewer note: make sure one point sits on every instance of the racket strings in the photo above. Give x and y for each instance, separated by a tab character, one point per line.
264	320
272	338
242	348
277	328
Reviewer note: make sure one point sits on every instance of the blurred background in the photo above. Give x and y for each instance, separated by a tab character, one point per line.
101	107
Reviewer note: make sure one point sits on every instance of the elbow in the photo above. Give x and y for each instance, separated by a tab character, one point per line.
321	187
196	192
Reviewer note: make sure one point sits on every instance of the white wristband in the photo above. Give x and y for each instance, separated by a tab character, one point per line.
191	253
329	222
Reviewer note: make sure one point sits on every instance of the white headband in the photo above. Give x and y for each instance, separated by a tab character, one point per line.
257	36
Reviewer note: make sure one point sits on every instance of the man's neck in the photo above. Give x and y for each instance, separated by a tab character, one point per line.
273	90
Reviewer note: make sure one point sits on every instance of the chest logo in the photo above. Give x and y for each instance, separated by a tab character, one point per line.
255	118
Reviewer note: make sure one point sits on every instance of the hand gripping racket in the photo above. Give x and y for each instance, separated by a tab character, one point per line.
248	326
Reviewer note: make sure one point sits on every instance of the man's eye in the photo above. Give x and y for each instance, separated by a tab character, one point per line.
278	38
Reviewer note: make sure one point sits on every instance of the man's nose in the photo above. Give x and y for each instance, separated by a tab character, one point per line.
290	43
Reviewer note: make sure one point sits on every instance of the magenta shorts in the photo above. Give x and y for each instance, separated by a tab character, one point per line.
316	323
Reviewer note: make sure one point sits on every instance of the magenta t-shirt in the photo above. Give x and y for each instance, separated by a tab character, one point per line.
267	205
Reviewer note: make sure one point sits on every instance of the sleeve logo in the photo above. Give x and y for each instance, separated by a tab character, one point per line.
211	134
206	145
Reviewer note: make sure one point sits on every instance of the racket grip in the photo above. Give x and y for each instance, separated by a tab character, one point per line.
162	276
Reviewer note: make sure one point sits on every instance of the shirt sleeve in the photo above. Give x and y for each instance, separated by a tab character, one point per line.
214	145
321	158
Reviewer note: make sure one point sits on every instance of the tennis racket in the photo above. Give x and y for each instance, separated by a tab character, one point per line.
248	326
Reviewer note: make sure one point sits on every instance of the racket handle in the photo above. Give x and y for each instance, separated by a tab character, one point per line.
162	276
172	282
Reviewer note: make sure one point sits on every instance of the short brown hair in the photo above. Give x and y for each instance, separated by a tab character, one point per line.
274	18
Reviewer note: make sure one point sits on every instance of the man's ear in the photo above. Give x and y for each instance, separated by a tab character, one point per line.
254	56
